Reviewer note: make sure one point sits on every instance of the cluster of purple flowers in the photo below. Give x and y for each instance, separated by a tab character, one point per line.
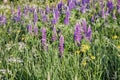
79	29
2	20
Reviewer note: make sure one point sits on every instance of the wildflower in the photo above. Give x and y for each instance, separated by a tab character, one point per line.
2	20
35	16
77	33
89	33
84	63
71	5
61	45
103	13
110	5
66	20
118	47
18	31
92	19
36	30
83	9
56	13
29	28
47	10
54	35
92	57
43	30
44	17
60	4
114	37
85	48
19	13
84	24
77	52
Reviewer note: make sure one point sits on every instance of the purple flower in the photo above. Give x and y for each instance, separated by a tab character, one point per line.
103	13
29	28
44	17
43	30
66	20
54	21
71	5
2	20
110	5
83	9
93	18
54	35
25	10
85	2
84	24
16	18
89	33
47	9
56	13
77	33
35	16
60	4
61	45
36	30
118	6
19	11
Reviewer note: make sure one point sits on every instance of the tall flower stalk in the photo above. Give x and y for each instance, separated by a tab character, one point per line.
77	34
54	35
61	45
43	40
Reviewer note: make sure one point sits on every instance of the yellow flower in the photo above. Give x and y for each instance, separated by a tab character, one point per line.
118	47
85	48
18	31
114	37
77	52
92	57
84	63
23	38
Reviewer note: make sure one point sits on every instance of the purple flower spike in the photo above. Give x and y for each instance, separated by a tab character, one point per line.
19	11
84	24
54	21
93	18
56	13
44	17
103	13
77	34
29	28
43	30
71	5
35	16
47	9
110	5
83	9
61	45
85	2
89	33
66	20
2	20
60	4
118	6
54	35
36	30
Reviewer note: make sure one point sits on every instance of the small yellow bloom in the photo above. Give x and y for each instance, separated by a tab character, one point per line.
84	63
18	31
92	57
23	38
77	52
118	47
114	37
85	48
